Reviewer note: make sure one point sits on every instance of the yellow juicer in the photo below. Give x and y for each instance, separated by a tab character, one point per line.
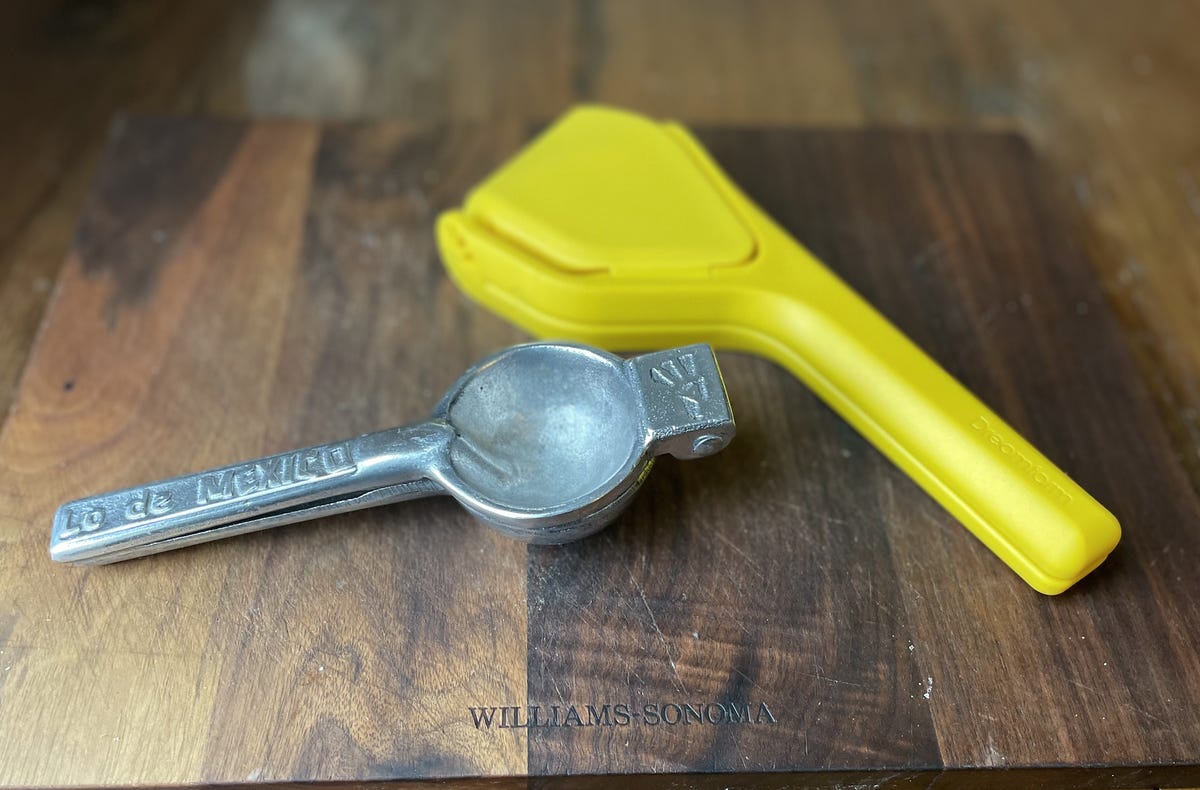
622	232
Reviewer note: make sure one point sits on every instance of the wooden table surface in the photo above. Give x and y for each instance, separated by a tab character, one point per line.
1102	90
237	290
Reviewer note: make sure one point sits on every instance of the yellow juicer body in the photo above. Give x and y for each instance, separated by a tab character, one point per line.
622	232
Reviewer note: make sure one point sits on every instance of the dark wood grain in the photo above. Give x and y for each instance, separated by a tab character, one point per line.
408	614
980	270
277	285
692	597
890	611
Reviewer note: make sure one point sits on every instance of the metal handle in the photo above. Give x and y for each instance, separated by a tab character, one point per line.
386	466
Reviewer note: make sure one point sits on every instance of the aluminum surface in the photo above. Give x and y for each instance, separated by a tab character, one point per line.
546	442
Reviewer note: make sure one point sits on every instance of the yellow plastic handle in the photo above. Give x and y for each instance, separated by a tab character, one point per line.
1026	510
618	231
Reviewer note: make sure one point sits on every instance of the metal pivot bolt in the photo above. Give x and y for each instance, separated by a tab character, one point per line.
546	442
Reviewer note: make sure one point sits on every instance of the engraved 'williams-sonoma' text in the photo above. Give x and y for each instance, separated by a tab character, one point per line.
651	714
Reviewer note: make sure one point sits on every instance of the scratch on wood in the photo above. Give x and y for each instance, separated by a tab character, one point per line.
817	674
662	638
748	679
737	549
1130	705
1082	686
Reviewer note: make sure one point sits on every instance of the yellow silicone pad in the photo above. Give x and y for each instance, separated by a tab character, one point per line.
622	232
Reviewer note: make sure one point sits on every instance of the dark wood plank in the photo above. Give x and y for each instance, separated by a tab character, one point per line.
981	271
763	578
802	569
398	618
98	663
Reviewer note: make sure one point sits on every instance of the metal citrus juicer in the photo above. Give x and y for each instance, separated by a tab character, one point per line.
545	442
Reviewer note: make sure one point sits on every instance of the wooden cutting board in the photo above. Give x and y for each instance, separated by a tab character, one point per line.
793	610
